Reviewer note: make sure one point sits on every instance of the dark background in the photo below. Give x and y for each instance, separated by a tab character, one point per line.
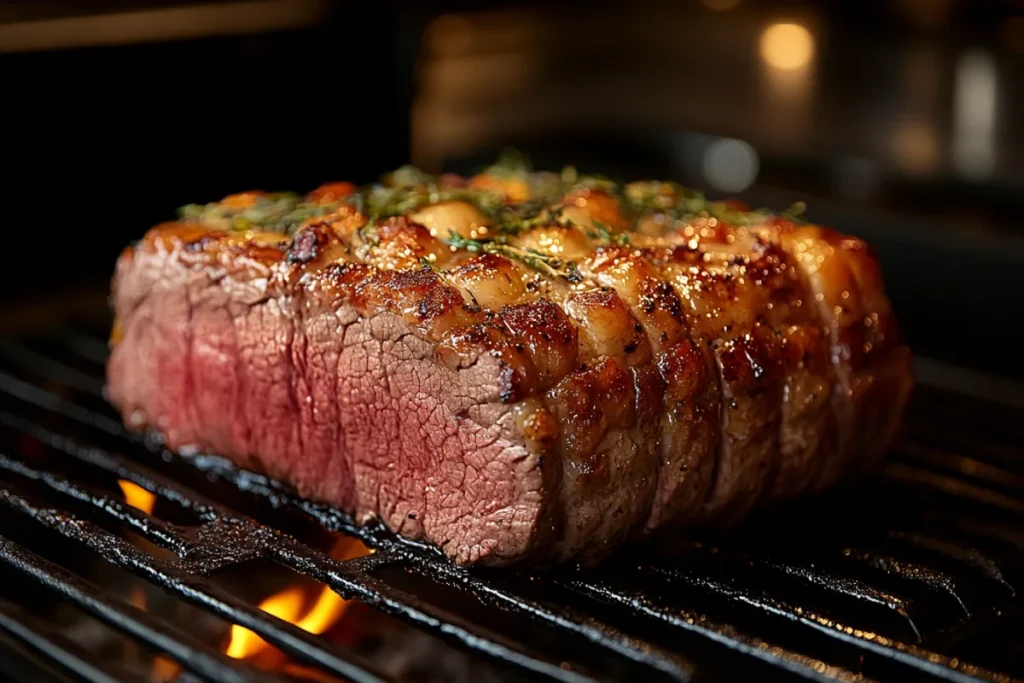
901	121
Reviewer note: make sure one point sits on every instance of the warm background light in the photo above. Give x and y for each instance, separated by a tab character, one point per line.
915	147
787	46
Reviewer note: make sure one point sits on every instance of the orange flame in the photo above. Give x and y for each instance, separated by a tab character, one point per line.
137	497
288	606
284	605
164	668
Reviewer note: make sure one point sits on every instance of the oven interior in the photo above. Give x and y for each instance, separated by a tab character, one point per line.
121	561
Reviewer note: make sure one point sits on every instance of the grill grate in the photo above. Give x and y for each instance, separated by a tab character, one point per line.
912	577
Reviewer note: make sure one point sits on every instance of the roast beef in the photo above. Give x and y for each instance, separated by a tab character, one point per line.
514	366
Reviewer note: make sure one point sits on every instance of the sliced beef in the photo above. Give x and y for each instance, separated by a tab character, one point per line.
348	409
546	396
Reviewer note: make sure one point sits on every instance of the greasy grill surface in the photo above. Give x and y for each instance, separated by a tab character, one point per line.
913	577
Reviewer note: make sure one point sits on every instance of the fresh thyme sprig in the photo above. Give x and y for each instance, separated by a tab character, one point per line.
552	266
795	212
279	212
410	176
671	199
601	231
427	264
368	234
516	218
511	163
408	189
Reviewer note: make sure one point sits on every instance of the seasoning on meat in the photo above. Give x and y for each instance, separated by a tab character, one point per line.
517	365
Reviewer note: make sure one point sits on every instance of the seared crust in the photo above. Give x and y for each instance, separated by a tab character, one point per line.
672	367
872	365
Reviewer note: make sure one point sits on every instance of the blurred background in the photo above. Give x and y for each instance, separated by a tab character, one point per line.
898	120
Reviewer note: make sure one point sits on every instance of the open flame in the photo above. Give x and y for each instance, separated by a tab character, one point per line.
136	496
164	669
290	605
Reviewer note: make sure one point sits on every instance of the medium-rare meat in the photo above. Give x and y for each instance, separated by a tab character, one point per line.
515	365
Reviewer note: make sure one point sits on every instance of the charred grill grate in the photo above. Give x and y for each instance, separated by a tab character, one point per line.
912	577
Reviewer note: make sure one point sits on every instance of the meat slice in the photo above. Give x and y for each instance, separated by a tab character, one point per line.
726	308
636	315
872	365
512	367
760	280
347	405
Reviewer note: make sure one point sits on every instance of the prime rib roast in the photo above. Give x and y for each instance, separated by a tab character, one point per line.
516	365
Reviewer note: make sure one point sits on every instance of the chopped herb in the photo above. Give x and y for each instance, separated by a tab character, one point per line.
549	265
796	212
408	189
671	199
191	211
357	200
594	182
280	212
410	176
545	185
510	164
601	231
517	218
368	234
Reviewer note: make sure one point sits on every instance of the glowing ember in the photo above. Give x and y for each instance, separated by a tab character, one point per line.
164	670
288	605
137	497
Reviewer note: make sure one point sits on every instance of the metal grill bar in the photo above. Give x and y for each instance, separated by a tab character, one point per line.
917	661
198	657
247	542
279	633
257	542
82	668
877	606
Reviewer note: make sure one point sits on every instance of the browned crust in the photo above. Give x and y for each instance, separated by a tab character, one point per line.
685	384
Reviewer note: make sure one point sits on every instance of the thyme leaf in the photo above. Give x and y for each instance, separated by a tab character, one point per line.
517	218
545	263
410	176
795	212
668	198
601	231
511	163
407	189
368	234
277	212
594	182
